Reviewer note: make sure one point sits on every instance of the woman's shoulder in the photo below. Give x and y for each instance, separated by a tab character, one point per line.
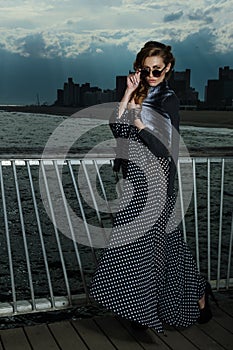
168	93
171	105
171	99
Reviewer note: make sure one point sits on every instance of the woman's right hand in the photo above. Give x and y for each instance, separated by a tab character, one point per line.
132	84
133	80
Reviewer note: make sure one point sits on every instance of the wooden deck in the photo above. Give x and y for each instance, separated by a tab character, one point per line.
109	333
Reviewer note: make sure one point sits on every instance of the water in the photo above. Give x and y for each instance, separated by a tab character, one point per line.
20	131
24	130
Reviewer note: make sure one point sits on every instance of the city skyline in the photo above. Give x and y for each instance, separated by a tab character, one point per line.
44	42
218	92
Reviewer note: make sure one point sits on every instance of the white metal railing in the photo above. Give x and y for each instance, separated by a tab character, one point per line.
43	268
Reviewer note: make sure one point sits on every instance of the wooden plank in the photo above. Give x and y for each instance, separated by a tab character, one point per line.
14	339
227	307
223	318
200	339
176	341
224	299
118	335
146	338
40	337
218	333
66	336
92	335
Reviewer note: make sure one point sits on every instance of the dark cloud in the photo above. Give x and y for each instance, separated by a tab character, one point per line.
32	45
200	16
22	78
197	52
214	8
173	16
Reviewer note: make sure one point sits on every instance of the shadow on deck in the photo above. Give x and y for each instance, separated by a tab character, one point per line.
109	333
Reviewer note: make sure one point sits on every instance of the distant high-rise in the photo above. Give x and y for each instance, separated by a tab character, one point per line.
121	81
225	73
219	93
60	97
74	95
71	91
180	83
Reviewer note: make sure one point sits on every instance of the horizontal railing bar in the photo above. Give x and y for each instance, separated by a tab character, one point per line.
42	304
100	160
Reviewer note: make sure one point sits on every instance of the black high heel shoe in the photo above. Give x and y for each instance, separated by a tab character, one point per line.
206	313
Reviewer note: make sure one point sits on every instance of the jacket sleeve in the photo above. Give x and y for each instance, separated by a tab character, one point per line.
120	128
171	105
153	143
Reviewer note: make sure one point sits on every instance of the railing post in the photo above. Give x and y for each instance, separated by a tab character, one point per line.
208	220
103	190
40	235
230	254
56	231
82	211
24	236
220	225
70	227
8	241
195	213
181	200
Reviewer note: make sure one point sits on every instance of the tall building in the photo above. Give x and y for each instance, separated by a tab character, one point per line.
60	97
225	73
219	92
180	83
74	95
121	81
70	95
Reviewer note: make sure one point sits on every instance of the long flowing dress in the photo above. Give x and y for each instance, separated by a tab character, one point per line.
147	273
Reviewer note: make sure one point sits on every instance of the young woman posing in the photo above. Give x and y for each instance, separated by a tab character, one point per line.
147	273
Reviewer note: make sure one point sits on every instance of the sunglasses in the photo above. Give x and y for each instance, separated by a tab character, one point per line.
145	72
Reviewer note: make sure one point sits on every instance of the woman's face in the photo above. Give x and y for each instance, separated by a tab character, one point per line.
154	63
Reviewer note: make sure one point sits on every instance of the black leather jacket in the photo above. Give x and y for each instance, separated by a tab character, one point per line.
160	115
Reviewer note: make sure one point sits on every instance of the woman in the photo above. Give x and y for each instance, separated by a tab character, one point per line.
147	273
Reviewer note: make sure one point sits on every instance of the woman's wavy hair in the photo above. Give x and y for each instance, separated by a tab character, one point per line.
151	48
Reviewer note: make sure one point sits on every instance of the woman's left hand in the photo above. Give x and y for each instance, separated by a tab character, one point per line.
132	106
139	124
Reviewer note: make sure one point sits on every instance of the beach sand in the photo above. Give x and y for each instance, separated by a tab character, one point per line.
202	118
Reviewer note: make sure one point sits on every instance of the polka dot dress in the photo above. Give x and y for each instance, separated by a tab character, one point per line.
147	273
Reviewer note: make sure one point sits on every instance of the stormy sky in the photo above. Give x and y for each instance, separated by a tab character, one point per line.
44	42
